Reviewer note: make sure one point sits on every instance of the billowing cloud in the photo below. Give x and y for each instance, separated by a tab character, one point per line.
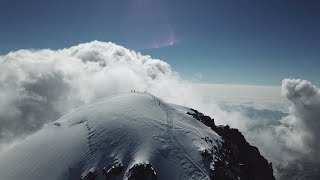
39	86
289	140
305	113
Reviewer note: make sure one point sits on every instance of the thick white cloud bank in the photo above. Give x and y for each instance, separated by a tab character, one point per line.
289	140
39	86
305	114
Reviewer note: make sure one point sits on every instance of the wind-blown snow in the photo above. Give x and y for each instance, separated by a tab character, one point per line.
129	128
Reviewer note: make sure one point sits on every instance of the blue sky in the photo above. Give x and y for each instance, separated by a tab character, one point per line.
227	41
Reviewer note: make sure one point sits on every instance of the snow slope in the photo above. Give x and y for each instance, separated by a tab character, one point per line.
129	129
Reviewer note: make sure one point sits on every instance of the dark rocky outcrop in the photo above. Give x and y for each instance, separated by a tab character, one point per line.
142	172
202	118
113	171
235	158
90	176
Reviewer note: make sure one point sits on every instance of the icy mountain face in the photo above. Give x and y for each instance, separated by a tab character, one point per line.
134	136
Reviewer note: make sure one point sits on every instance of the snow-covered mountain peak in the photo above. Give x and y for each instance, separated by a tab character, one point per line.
116	137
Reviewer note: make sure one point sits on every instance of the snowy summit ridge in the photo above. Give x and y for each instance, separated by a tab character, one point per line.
129	136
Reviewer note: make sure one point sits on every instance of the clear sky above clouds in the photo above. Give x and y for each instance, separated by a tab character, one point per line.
229	41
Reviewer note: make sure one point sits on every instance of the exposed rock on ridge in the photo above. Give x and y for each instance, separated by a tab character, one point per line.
235	158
